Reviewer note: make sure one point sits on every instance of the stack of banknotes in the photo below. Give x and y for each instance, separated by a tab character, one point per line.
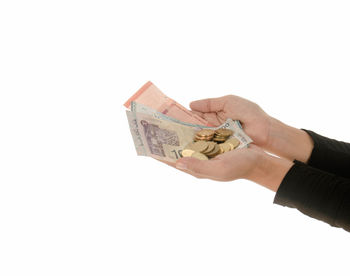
162	128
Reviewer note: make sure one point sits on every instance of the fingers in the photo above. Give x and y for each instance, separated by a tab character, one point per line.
212	118
209	105
199	168
200	114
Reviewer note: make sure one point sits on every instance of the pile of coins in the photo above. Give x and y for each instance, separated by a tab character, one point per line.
208	143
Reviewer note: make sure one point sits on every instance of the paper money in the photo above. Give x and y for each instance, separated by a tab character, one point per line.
165	139
150	95
140	108
137	107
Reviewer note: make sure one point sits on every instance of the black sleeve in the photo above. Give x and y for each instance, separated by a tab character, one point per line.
318	194
330	155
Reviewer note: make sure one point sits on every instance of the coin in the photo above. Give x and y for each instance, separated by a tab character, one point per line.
211	146
214	152
234	141
203	138
230	145
217	139
220	136
205	132
224	132
225	147
199	156
200	146
187	152
210	143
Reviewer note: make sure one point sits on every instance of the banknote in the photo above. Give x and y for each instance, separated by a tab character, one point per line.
151	96
165	139
137	107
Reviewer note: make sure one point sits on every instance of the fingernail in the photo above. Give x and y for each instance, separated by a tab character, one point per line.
181	166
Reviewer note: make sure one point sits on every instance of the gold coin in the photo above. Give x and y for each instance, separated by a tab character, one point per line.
225	147
199	156
221	136
214	152
234	141
205	132
230	145
187	152
224	132
211	146
200	146
221	148
219	139
203	138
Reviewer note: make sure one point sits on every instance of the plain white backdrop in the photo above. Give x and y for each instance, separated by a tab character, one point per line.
74	197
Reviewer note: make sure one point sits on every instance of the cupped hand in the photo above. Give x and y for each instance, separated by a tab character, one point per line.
232	165
255	121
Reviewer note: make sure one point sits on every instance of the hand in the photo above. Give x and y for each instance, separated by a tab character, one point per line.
229	166
265	131
248	163
255	122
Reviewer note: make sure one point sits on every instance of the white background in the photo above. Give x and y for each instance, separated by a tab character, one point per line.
74	197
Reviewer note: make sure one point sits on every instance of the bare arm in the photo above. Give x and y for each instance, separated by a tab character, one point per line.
288	142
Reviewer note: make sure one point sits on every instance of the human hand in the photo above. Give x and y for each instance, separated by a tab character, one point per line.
267	132
255	122
247	163
229	166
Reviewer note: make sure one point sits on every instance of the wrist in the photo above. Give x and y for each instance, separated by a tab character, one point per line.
288	142
270	171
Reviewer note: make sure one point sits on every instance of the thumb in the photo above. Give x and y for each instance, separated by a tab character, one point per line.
199	168
209	105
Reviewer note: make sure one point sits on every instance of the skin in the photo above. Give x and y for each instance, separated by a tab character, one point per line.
254	163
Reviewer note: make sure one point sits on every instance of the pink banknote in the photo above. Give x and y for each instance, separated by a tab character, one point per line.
151	96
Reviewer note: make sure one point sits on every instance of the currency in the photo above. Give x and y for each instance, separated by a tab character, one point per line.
233	142
211	148
165	140
223	132
163	129
204	134
199	156
140	108
187	153
151	96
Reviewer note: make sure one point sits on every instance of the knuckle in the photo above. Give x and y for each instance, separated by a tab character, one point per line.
209	104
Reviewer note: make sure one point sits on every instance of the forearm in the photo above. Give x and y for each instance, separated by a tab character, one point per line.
316	193
330	155
288	142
